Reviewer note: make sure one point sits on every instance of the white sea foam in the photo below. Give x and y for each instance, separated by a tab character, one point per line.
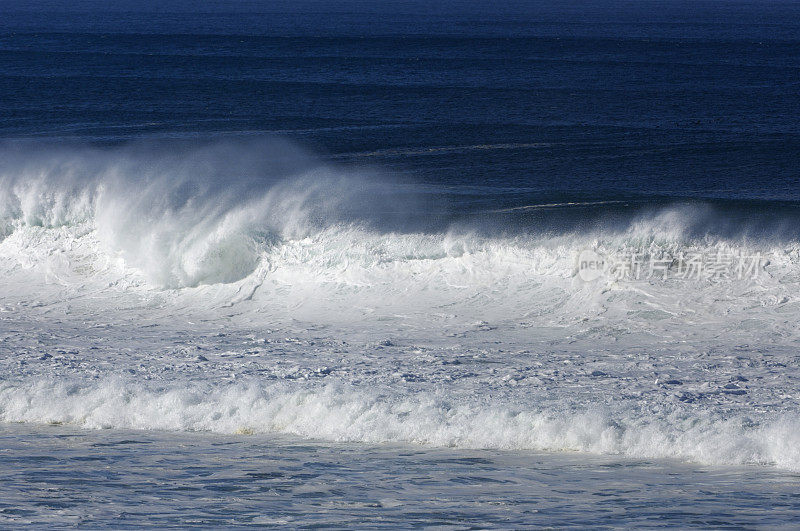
217	213
343	413
493	339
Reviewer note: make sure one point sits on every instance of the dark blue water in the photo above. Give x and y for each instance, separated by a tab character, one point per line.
534	101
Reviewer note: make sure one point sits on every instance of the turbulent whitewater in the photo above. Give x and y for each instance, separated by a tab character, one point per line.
250	287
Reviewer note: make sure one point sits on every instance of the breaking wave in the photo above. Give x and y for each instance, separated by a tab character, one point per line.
185	215
344	413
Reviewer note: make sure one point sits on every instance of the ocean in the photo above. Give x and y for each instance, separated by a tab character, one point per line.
400	264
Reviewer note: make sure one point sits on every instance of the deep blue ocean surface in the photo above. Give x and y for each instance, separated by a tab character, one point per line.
344	245
695	99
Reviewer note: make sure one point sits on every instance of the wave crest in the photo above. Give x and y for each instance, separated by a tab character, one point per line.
189	214
342	413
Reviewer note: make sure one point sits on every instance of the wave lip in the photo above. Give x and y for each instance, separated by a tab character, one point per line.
185	214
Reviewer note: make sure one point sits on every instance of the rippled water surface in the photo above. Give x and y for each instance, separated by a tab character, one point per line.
66	476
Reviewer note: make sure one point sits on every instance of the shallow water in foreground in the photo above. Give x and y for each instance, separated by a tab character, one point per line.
60	475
